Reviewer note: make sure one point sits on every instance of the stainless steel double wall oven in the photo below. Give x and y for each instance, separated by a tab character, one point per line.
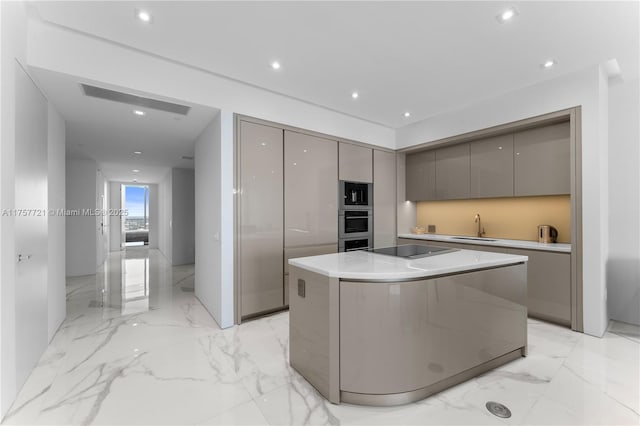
355	217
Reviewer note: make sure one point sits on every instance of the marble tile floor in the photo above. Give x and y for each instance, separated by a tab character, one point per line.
137	348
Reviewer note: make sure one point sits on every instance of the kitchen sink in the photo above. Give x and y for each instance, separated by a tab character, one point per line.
472	238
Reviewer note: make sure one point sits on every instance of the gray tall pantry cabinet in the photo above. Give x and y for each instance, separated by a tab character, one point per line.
287	204
310	197
384	198
260	232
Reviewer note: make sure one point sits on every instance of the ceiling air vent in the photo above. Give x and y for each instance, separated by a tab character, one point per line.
186	157
126	98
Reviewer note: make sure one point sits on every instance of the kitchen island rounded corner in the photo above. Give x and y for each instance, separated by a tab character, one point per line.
388	341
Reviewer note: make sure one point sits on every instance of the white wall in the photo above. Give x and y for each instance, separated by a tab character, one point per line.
183	217
165	212
623	265
208	277
153	216
597	290
56	223
226	218
13	36
81	230
115	227
586	89
102	220
13	27
176	216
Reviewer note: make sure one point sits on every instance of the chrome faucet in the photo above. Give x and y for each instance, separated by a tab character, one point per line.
480	228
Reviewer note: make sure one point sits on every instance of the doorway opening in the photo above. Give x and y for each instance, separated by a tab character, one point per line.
135	225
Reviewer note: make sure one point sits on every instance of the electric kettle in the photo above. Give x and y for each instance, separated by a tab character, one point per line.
547	234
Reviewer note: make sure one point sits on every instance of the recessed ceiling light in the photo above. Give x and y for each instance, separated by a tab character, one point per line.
138	112
143	15
507	15
275	65
548	63
135	171
263	144
137	152
407	114
355	95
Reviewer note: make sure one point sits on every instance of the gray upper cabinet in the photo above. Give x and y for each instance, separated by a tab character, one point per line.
452	172
356	163
310	190
420	176
491	162
542	161
384	198
260	231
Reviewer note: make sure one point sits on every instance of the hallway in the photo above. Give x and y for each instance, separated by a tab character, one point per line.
138	348
126	357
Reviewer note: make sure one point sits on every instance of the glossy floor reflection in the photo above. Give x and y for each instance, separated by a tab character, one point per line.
138	348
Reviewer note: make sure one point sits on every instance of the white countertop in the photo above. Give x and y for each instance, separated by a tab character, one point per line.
520	244
363	265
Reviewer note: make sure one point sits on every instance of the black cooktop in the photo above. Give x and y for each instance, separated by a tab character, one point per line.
412	251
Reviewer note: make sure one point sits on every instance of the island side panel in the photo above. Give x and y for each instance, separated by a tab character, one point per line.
403	336
313	330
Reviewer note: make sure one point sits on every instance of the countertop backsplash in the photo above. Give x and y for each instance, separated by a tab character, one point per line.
510	218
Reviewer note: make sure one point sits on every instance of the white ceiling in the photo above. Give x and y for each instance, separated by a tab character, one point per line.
110	132
422	57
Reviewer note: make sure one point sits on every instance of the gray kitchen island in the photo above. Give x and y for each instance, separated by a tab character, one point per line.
398	325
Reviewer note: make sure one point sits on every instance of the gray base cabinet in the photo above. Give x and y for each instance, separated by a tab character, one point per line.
549	291
400	336
395	342
548	279
290	253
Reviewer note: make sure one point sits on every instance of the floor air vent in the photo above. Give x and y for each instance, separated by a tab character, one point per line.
125	98
498	409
